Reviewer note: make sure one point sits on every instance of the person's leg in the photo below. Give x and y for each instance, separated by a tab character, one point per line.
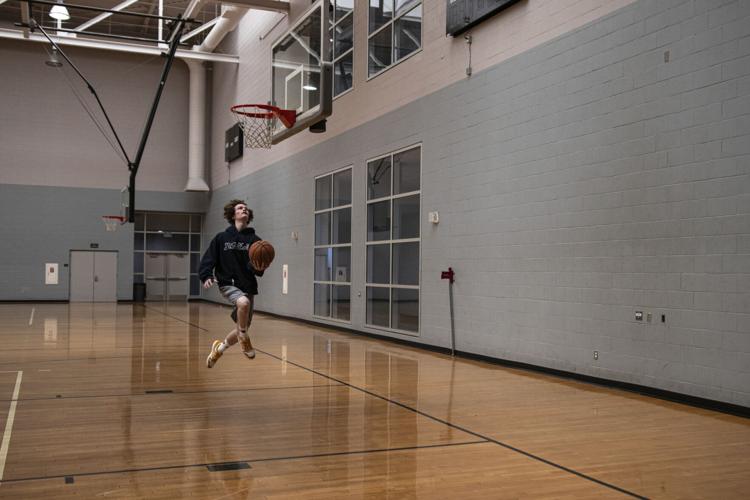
244	317
235	296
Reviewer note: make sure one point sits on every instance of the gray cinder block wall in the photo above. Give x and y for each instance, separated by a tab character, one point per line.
603	173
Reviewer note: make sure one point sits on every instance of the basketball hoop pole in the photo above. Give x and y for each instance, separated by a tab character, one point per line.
136	163
450	275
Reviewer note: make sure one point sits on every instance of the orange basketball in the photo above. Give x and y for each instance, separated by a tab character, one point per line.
261	254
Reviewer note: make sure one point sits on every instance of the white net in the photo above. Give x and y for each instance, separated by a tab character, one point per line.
257	126
111	223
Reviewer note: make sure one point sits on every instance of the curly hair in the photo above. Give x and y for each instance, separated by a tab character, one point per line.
229	210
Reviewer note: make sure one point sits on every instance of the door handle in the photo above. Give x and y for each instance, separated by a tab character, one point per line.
96	279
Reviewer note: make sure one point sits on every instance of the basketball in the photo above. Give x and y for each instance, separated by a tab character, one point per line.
261	254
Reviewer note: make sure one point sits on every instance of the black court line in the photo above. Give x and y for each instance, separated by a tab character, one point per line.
463	429
454	426
175	318
208	464
171	392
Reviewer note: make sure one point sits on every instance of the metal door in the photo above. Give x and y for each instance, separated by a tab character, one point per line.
177	276
93	276
81	276
105	276
167	276
156	274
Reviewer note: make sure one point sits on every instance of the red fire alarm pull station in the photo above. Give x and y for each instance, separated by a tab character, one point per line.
448	275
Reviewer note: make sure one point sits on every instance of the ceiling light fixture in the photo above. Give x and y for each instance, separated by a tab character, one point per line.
59	12
54	60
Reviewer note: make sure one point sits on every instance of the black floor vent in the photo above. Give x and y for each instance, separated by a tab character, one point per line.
228	466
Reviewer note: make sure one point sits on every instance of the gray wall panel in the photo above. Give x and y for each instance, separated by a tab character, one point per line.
576	183
40	224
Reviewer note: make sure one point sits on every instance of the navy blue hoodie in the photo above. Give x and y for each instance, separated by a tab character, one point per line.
227	258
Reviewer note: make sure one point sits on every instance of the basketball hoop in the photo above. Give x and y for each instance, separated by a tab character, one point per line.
258	122
112	221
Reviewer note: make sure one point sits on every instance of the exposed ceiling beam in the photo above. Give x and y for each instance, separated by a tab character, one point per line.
103	16
192	8
200	28
119	46
305	46
272	5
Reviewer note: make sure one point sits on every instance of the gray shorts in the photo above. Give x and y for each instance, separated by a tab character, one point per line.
232	294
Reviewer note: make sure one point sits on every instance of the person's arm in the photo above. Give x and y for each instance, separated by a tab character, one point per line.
208	262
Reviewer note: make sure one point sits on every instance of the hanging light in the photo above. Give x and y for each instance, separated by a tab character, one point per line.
54	60
59	12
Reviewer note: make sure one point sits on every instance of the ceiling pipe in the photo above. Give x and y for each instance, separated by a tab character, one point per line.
230	18
197	128
118	47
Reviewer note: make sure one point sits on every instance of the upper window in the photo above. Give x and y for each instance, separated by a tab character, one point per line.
394	32
342	38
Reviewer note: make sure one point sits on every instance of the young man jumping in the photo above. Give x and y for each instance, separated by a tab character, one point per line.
227	263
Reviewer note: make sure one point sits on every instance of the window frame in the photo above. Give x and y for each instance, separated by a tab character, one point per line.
390	242
145	230
332	245
405	9
341	56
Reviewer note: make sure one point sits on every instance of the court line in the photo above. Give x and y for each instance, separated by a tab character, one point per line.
174	317
463	429
269	459
9	424
449	424
124	395
62	360
31	319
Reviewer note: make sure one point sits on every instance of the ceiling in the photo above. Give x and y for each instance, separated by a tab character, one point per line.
117	24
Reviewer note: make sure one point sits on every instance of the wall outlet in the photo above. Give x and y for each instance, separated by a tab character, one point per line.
639	315
596	354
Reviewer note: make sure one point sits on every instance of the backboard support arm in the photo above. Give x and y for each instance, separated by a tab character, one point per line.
136	163
35	25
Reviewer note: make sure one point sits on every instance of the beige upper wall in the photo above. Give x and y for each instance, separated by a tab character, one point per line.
48	139
441	61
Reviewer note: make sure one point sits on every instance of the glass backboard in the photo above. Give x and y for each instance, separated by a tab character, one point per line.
301	70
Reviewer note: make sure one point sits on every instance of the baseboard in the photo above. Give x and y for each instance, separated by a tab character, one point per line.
35	301
675	397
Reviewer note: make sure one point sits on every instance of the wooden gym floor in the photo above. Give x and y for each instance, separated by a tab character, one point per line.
115	401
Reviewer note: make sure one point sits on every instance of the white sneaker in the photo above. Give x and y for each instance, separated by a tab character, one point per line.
214	355
250	354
